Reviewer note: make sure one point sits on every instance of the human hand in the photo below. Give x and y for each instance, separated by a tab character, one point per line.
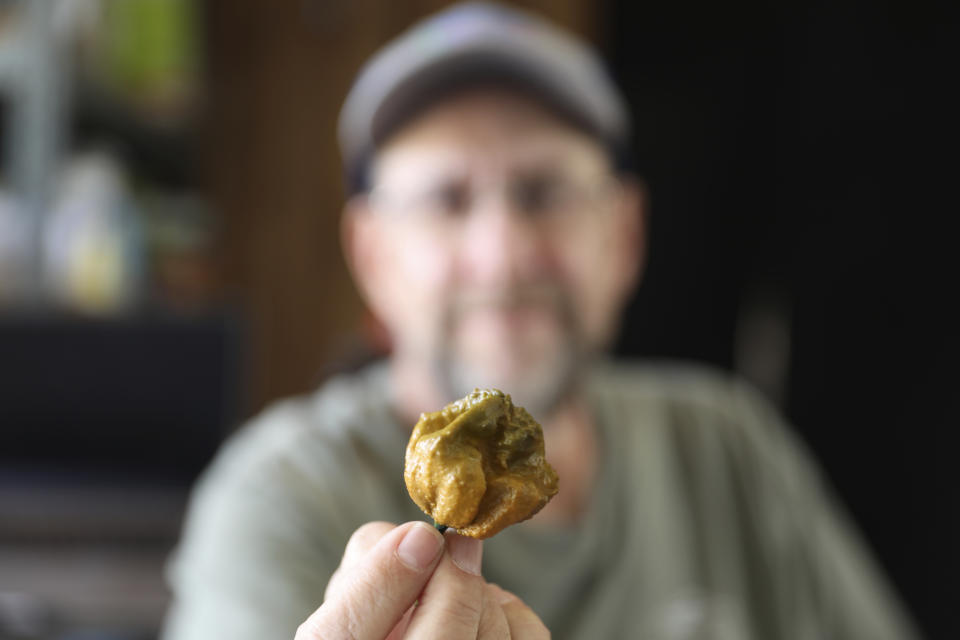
412	582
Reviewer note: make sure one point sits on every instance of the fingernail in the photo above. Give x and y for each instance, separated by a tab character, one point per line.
467	553
420	546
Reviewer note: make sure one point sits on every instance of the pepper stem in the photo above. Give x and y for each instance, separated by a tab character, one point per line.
440	527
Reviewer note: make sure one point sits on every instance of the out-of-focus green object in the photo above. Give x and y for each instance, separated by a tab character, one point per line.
148	50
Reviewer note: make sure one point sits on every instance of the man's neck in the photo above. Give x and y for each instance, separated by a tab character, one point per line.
410	393
572	447
570	436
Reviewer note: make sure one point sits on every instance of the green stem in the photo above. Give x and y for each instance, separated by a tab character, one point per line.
440	527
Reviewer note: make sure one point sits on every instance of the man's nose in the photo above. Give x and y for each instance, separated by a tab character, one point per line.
500	244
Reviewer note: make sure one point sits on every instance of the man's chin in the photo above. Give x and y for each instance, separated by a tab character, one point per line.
529	350
539	386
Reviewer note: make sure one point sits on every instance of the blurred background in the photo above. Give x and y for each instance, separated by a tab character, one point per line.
169	258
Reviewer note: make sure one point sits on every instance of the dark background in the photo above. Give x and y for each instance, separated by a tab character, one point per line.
804	153
800	164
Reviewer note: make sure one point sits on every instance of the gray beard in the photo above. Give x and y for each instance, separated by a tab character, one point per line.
540	389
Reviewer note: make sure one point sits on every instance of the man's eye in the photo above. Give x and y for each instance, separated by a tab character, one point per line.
538	196
450	200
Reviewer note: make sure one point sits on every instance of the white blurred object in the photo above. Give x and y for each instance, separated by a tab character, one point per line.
34	83
93	240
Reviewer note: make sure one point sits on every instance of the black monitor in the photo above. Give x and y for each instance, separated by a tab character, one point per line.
144	399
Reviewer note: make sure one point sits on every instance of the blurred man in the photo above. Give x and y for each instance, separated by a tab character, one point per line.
495	230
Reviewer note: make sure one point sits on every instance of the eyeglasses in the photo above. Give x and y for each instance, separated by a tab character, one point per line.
546	202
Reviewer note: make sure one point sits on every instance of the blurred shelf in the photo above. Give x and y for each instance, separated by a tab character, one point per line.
65	514
99	591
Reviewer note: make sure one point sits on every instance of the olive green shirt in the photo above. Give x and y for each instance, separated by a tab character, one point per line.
708	520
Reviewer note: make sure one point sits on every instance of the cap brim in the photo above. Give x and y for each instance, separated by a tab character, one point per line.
468	70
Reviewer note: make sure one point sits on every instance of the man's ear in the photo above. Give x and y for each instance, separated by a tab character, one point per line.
634	205
359	239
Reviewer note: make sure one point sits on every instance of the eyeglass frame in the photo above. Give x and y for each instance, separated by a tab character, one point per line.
577	199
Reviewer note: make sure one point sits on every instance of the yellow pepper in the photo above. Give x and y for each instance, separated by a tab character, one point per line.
478	465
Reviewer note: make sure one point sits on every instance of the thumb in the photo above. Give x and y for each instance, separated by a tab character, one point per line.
373	594
452	604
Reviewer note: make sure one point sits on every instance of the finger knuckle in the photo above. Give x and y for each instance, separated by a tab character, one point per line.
531	631
332	584
363	540
368	534
373	528
352	624
303	632
497	633
463	607
524	623
339	623
316	630
369	594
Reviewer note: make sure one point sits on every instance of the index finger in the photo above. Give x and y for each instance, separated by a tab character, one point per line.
361	542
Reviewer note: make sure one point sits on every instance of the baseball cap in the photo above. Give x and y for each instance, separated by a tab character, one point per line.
469	44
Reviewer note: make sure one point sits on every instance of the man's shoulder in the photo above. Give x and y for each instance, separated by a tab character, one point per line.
283	493
673	382
691	402
707	421
318	430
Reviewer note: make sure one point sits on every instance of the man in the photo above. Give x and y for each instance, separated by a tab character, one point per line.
495	231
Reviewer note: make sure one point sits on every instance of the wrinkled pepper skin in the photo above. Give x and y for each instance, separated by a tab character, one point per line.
478	465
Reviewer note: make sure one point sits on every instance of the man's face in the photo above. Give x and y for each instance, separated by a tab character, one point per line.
496	246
